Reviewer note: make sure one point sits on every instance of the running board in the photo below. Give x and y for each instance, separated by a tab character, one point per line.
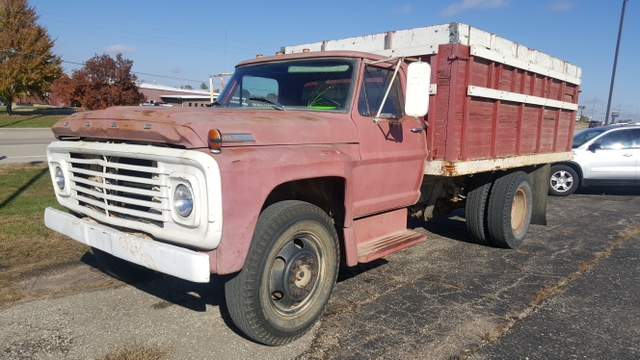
380	247
381	234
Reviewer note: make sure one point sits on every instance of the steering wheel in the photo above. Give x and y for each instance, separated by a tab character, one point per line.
324	103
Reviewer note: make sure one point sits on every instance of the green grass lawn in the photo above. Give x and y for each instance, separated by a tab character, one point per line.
32	117
26	244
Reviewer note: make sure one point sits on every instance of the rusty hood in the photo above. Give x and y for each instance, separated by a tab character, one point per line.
189	127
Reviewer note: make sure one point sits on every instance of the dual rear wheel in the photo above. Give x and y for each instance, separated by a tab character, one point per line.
498	212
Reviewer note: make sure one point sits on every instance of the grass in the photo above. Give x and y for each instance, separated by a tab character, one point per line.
136	352
28	120
26	245
32	117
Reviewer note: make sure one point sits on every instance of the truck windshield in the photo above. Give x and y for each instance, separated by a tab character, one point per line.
316	84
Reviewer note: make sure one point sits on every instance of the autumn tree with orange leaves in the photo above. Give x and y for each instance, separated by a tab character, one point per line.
102	82
27	65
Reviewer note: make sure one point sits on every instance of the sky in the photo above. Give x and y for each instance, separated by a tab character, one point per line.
179	43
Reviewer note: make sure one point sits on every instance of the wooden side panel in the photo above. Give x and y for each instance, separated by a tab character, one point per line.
463	127
530	132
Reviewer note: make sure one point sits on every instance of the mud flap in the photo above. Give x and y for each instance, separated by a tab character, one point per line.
539	177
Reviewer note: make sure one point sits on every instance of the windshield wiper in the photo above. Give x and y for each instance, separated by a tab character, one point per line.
276	105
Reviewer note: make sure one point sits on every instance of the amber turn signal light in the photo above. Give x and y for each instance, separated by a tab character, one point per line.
214	140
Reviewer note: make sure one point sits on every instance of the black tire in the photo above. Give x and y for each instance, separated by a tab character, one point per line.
122	269
288	275
509	210
476	209
563	181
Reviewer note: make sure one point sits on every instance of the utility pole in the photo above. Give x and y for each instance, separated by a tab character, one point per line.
581	107
615	62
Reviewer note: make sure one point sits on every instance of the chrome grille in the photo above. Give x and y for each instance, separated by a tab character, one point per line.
122	187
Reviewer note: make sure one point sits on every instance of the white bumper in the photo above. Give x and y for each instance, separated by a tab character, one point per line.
169	259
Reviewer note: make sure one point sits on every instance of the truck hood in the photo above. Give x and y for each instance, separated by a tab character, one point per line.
189	127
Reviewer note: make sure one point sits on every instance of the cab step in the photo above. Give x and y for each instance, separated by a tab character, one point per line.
380	247
381	234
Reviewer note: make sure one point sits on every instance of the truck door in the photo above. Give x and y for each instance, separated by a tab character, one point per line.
392	151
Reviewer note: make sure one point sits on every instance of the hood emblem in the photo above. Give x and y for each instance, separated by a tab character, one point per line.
245	137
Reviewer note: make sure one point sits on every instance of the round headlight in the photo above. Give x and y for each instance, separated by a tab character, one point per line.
59	177
183	200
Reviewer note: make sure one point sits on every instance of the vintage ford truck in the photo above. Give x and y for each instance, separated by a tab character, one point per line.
314	159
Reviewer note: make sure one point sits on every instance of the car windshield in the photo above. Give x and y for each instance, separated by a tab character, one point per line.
586	135
317	84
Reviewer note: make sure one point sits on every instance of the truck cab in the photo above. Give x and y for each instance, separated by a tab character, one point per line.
318	146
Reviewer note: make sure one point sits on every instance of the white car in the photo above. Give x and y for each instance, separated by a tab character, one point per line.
603	156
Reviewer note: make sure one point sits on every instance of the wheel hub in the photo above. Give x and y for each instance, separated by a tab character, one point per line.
561	181
518	210
301	275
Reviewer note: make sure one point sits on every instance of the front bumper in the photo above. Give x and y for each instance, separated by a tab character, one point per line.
165	258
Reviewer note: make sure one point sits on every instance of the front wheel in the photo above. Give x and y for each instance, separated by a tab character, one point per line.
563	180
288	275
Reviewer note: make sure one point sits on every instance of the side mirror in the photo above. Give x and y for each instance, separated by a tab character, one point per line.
593	147
418	85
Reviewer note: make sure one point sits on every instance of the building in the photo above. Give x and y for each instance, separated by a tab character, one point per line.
175	96
154	93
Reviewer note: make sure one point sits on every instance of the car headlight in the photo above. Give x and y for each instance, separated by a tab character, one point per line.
183	200
59	177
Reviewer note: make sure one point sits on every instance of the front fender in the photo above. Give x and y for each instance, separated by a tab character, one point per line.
249	175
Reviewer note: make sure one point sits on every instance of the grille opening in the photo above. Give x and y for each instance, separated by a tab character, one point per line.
92	207
159	224
100	174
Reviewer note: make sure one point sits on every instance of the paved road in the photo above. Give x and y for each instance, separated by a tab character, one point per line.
24	145
572	291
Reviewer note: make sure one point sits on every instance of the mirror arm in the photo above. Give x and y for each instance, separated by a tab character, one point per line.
376	119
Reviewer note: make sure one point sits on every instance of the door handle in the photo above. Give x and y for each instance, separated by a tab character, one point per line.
416	130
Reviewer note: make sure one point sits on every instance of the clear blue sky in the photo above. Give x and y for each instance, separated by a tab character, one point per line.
178	43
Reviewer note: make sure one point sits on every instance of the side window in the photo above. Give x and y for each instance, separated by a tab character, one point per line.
253	86
616	140
636	138
374	85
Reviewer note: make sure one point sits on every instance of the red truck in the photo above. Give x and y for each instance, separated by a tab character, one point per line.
314	159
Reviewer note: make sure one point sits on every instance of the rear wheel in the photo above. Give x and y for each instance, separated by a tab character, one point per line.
476	208
122	269
509	210
563	180
288	275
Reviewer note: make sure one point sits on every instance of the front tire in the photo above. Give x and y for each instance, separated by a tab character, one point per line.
288	275
509	210
563	181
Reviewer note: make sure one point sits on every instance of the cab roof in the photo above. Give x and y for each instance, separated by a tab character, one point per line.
314	55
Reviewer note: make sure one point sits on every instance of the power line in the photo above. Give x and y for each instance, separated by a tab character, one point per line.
191	34
83	64
122	15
